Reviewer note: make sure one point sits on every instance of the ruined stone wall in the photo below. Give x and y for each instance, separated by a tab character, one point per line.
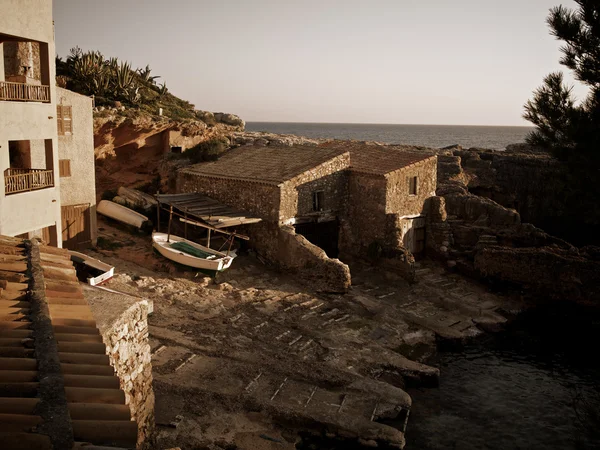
281	246
123	323
533	184
260	199
296	194
398	198
541	188
552	272
484	211
366	217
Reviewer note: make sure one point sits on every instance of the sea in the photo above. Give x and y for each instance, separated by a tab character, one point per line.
435	136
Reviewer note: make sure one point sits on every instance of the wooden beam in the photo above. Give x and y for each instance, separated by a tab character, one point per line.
199	224
232	223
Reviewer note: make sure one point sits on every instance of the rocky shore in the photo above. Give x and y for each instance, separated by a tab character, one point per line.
260	358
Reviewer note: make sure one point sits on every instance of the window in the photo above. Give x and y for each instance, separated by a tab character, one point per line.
64	167
318	201
64	120
412	185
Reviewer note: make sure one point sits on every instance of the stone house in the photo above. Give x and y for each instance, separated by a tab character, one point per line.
343	197
32	111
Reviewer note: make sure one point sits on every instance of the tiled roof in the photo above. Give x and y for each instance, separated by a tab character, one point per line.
378	159
57	387
267	164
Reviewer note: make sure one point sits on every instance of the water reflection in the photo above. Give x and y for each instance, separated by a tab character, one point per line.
534	386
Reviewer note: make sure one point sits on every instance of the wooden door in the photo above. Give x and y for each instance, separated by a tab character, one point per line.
76	226
419	240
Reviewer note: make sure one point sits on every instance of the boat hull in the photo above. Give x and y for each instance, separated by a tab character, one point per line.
219	263
102	271
121	213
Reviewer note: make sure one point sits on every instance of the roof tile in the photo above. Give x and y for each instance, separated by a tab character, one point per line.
270	164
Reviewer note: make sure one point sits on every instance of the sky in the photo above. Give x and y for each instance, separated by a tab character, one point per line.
459	62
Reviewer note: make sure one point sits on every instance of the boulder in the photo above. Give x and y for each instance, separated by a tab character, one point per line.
231	119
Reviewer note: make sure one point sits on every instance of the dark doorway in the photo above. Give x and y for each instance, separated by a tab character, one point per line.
323	234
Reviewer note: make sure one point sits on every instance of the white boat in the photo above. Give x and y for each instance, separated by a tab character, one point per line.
94	270
213	260
121	213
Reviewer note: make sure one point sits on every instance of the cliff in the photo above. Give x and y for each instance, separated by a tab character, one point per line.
130	146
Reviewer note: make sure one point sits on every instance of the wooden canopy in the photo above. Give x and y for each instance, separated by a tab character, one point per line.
208	210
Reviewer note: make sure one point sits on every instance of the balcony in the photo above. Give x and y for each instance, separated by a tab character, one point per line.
22	92
25	180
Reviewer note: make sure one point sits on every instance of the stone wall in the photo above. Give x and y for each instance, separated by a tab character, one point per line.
552	272
123	323
296	194
290	251
257	198
17	56
398	199
335	193
366	215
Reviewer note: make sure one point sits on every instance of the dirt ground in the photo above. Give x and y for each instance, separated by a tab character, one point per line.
256	359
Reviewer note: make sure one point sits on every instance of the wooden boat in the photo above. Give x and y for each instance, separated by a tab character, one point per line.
90	269
122	214
199	256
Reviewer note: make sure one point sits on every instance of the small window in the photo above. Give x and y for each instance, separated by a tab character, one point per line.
412	186
318	201
64	120
64	167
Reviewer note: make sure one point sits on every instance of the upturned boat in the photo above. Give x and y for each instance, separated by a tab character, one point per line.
122	214
91	269
190	254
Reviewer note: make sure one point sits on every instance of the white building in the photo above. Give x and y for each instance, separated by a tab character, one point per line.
31	163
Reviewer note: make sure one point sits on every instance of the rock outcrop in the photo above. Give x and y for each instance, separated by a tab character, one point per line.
130	147
483	238
262	138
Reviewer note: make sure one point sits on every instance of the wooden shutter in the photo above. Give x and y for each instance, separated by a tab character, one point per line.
67	119
64	167
64	119
59	121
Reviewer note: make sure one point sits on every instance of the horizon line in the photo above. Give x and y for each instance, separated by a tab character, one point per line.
375	123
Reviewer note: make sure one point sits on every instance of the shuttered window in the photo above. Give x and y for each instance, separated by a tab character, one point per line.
64	167
64	119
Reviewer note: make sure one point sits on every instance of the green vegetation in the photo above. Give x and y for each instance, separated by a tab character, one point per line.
205	151
115	82
570	130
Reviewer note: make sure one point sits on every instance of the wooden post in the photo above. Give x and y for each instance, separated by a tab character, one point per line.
169	229
157	212
230	243
208	238
185	223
